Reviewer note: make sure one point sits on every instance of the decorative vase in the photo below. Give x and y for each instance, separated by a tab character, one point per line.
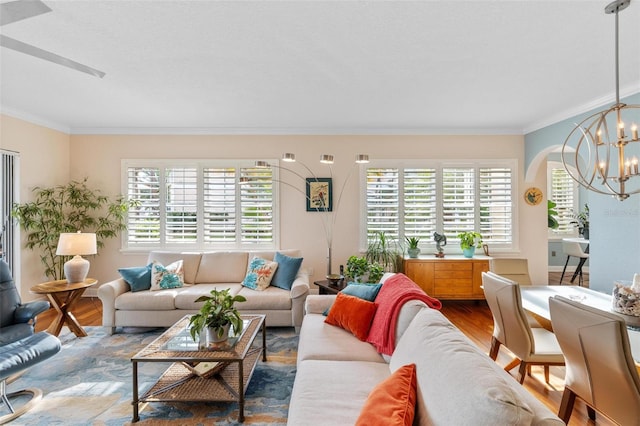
413	253
212	334
469	252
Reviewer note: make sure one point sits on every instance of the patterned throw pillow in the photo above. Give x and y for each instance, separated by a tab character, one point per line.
164	277
259	273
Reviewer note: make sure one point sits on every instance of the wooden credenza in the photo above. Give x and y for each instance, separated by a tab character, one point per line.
453	277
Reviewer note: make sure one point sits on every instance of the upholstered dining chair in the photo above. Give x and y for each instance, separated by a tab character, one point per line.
599	367
574	249
511	268
17	320
531	346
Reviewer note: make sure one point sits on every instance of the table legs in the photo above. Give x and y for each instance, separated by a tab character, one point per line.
63	302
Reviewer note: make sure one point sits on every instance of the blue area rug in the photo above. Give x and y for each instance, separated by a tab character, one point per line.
89	382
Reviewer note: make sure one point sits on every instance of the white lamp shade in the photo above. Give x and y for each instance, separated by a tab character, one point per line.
71	244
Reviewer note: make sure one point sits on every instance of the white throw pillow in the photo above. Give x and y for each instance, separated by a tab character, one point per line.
164	277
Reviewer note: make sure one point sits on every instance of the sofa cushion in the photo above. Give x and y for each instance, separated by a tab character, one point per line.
190	262
186	297
288	268
332	392
259	273
323	341
222	267
273	298
447	363
392	402
271	254
166	277
138	277
353	314
147	300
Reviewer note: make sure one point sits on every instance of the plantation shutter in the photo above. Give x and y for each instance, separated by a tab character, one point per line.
458	200
181	205
562	193
495	205
383	203
257	203
220	209
143	223
420	203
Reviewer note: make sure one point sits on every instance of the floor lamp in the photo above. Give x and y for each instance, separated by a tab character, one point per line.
328	215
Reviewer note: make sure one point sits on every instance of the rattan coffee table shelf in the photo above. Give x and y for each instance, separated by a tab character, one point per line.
180	383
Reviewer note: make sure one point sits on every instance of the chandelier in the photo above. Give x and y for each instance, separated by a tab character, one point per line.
602	152
329	213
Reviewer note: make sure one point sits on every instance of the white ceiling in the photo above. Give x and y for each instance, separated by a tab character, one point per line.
318	67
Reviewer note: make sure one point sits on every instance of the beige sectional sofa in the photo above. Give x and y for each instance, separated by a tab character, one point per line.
457	384
202	273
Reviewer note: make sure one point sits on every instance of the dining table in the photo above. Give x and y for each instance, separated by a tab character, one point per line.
535	299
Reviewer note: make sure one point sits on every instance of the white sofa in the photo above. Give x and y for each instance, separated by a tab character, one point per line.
202	273
457	384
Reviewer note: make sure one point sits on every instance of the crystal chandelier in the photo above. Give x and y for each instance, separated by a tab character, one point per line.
602	152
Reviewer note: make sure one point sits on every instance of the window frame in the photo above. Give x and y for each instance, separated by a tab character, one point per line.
200	165
452	245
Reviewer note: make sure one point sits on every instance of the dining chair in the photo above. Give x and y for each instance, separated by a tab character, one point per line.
516	270
600	369
573	248
531	346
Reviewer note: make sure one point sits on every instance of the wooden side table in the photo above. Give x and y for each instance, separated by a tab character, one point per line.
63	296
325	287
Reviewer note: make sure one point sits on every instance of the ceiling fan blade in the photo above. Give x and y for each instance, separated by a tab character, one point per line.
21	9
28	49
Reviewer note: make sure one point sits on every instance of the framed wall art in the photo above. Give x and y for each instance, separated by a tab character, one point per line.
319	195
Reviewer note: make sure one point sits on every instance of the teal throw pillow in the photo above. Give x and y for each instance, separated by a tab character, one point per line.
138	277
288	268
367	292
363	291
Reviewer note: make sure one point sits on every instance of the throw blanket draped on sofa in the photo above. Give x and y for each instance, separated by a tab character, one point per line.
396	291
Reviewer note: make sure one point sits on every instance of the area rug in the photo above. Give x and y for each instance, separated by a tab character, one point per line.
89	382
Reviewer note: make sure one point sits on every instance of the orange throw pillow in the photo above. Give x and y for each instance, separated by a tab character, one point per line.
352	314
392	402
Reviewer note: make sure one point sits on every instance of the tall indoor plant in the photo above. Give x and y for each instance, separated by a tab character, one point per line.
384	250
68	208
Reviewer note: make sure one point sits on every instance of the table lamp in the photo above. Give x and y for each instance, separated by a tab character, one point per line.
76	244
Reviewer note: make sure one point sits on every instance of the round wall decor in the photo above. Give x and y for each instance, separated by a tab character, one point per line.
533	196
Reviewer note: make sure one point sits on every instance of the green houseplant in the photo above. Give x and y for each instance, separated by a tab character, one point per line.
581	221
68	208
552	214
412	246
360	269
469	240
217	315
384	250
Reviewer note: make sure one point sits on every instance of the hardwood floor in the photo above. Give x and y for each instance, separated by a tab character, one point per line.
472	318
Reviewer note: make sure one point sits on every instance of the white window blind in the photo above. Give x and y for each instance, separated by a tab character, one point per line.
563	191
200	205
407	200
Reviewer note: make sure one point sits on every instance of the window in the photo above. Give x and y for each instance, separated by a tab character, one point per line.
562	190
200	204
417	199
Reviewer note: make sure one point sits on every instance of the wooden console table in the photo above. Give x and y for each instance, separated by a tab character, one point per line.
454	277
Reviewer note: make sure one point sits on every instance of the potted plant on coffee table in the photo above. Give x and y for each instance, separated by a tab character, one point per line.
216	316
469	240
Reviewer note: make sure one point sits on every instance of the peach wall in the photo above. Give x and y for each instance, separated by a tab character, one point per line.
99	157
44	161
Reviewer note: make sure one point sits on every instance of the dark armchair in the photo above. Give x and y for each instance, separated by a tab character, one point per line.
17	320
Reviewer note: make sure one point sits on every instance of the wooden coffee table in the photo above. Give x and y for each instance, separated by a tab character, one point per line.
63	296
180	382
